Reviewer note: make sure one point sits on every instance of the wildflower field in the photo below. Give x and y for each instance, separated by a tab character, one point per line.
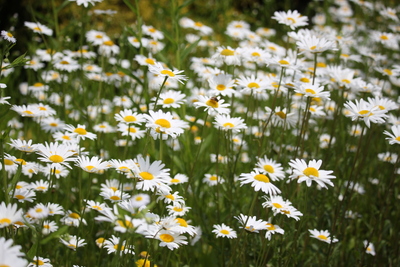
169	138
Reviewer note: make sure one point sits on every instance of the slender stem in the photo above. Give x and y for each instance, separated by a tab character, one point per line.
159	91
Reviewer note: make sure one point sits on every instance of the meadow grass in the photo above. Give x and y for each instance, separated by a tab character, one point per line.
193	144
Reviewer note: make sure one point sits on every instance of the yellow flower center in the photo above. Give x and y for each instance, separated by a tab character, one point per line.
41	188
37	29
56	158
283	62
221	87
277	205
109	43
38	84
170	197
182	222
39	210
9	35
132	130
253	85
150	61
262	178
167	238
292	20
281	114
146	176
168	72
5	221
213	178
90	167
363	112
305	80
80	131
271	227
19	196
212	103
28	112
311	171
117	247
129	118
115	198
64	62
74	215
311	91
174	180
345	81
388	72
198	24
228	125
322	237
8	162
177	209
345	55
227	52
97	207
168	101
255	54
163	123
224	232
384	37
313	47
269	168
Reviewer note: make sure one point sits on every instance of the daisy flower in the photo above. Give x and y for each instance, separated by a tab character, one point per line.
131	130
73	219
170	99
170	239
312	91
91	165
212	105
68	64
227	55
39	28
9	214
273	229
369	248
113	195
56	154
159	70
140	200
49	227
225	122
40	185
222	230
270	167
213	179
72	241
85	3
39	211
222	84
178	209
164	124
128	116
279	205
108	48
394	136
313	44
252	84
322	235
39	261
113	245
259	181
8	36
23	145
24	194
310	172
80	132
291	18
178	179
250	223
11	255
152	32
365	111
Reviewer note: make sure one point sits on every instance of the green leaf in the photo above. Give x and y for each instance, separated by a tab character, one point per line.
64	4
188	49
19	61
55	234
185	4
131	7
32	251
129	73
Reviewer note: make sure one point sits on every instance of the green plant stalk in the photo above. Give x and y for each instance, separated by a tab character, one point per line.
159	92
3	172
